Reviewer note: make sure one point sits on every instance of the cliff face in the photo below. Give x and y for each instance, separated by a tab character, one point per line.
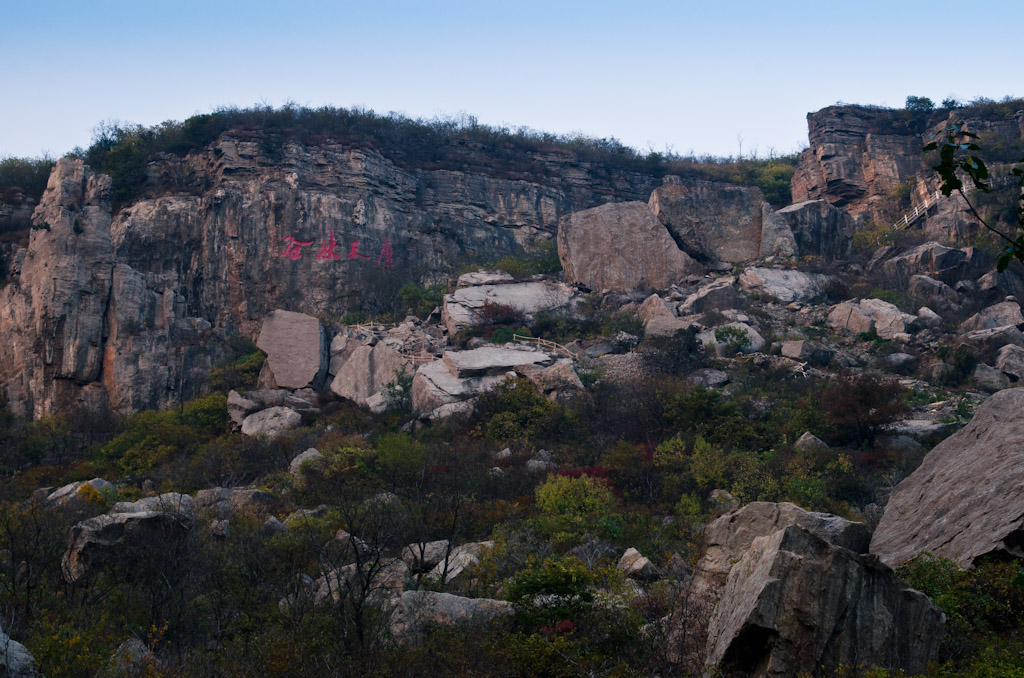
858	155
130	308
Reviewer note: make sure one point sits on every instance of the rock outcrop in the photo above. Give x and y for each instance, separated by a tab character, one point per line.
296	348
15	659
621	246
462	375
714	222
966	500
127	539
780	591
466	306
819	228
795	603
418	610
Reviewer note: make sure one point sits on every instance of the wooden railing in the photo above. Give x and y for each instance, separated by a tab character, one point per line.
552	346
918	211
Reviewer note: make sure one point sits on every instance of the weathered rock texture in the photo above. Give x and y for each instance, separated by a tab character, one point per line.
966	500
712	221
819	228
780	591
296	348
796	604
859	155
129	539
130	308
621	246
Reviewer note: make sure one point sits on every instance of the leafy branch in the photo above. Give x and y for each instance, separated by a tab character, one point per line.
958	153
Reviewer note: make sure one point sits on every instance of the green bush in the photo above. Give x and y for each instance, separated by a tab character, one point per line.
571	507
554	590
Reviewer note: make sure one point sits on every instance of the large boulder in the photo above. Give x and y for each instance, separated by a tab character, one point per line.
819	228
966	500
296	348
15	659
932	259
434	387
168	502
490	361
271	422
867	315
721	222
727	538
779	591
786	286
128	539
620	246
747	339
797	604
717	296
367	371
417	611
997	315
465	306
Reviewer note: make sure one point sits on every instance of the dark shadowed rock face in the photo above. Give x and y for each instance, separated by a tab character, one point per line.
781	591
128	539
797	604
819	228
966	500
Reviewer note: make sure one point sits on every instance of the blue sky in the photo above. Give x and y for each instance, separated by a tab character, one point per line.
656	75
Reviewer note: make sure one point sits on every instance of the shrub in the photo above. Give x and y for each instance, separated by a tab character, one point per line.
517	412
499	314
858	408
422	300
571	507
554	590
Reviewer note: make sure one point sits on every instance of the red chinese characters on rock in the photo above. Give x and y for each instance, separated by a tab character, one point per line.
386	255
353	252
294	249
329	251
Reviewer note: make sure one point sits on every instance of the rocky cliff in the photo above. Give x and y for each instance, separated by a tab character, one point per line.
859	155
131	307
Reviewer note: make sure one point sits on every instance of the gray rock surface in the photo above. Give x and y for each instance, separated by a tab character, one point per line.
271	422
367	371
715	296
296	348
463	307
754	341
620	246
491	361
883	318
636	566
434	386
416	611
785	285
795	603
966	499
309	456
721	222
819	229
15	659
125	538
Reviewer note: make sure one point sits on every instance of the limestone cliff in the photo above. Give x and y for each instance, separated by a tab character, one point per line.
131	308
859	155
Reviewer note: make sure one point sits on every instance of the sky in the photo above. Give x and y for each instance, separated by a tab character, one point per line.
714	77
